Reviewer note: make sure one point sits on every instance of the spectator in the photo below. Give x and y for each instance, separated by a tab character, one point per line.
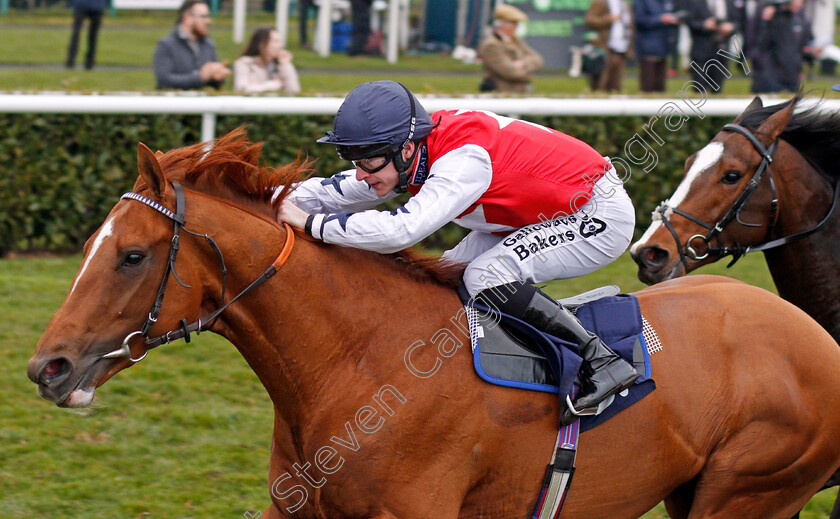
303	21
588	59
738	11
92	10
360	42
781	34
508	61
186	58
822	16
614	22
655	34
265	65
709	25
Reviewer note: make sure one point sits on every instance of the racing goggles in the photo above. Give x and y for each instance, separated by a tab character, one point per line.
372	158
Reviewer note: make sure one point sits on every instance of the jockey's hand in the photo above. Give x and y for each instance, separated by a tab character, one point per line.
291	214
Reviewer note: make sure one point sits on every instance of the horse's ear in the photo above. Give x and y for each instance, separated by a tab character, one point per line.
158	154
150	170
776	123
754	105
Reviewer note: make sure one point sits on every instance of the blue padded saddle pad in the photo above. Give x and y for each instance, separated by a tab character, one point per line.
616	320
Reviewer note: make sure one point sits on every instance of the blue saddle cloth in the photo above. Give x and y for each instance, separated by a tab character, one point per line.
518	355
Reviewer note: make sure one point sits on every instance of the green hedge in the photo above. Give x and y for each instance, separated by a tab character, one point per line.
63	173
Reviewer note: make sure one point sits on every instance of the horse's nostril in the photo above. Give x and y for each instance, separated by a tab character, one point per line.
655	257
54	369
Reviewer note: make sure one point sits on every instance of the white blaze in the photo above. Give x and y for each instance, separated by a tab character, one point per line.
105	232
705	159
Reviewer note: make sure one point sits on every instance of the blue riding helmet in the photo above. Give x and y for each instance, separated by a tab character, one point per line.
379	119
378	113
836	87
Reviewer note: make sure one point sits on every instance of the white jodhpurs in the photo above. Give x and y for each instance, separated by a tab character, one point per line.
558	248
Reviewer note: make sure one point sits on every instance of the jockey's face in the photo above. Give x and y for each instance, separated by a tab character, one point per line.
386	179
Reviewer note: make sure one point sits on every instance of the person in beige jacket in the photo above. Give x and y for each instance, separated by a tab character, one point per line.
613	19
508	61
265	65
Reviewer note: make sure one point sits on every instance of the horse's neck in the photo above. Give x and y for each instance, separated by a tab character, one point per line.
806	271
327	311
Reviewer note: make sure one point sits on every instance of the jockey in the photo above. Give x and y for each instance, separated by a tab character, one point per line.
538	202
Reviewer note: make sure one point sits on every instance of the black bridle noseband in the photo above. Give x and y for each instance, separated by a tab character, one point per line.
734	212
174	246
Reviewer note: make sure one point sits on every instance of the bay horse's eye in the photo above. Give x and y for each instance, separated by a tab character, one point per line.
731	177
133	259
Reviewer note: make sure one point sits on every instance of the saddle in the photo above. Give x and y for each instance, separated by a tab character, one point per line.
509	352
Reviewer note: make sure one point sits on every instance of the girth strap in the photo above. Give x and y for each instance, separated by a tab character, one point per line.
558	475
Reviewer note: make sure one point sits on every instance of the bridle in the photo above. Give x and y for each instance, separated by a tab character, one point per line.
734	212
199	325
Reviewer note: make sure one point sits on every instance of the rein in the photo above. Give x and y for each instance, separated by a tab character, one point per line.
733	213
199	325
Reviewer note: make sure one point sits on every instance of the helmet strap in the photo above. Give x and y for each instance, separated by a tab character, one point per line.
403	166
402	184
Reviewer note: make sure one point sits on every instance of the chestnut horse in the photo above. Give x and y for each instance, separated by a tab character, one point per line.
791	215
381	418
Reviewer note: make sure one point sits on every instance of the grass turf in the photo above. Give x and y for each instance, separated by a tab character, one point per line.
184	433
34	45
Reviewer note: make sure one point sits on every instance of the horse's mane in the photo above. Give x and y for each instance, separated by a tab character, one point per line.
814	132
230	171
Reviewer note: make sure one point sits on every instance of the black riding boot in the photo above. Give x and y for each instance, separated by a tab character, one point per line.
603	372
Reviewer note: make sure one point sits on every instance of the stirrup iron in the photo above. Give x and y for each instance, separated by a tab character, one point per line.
590	411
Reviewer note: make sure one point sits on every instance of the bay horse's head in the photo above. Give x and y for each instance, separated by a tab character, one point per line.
130	263
726	201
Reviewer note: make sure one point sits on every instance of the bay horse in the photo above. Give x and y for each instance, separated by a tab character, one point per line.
384	418
792	208
790	214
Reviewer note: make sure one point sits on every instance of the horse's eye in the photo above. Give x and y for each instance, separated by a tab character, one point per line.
731	177
133	259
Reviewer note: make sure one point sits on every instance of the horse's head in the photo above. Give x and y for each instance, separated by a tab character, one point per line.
124	263
725	202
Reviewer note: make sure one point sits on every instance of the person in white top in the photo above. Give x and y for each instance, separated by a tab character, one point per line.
614	22
265	65
822	14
